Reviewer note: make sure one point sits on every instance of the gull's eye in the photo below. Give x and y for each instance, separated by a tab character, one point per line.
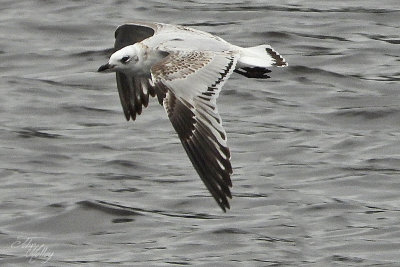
125	59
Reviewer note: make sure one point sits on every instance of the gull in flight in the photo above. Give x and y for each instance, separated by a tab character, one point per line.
185	69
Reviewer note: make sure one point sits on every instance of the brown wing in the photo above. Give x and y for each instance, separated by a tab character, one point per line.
192	82
133	91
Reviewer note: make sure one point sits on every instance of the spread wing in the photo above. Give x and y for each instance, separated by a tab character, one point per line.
191	81
133	91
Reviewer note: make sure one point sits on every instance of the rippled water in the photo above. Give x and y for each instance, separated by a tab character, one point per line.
315	149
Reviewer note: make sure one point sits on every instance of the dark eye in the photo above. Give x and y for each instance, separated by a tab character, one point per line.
125	59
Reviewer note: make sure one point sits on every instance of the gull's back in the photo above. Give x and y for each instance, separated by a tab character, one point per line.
171	37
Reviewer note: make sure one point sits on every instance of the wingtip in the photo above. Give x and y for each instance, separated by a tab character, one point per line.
225	206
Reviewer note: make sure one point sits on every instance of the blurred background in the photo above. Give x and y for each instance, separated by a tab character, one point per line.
315	149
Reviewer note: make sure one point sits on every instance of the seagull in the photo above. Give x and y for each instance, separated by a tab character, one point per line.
185	69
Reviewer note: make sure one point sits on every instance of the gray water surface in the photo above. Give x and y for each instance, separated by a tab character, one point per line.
315	149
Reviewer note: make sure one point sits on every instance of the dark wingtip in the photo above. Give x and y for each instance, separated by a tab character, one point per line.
254	72
224	205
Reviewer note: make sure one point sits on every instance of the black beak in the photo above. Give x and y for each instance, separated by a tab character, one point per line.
105	67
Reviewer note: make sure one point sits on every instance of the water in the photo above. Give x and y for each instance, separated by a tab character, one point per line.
315	149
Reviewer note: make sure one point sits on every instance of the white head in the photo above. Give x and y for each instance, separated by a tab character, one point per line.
124	59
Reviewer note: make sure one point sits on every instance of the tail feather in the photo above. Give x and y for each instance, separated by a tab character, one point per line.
279	61
262	56
255	61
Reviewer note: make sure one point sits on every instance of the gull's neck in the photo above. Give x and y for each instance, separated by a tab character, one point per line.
146	59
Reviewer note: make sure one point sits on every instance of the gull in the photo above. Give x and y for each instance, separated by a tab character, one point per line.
185	69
